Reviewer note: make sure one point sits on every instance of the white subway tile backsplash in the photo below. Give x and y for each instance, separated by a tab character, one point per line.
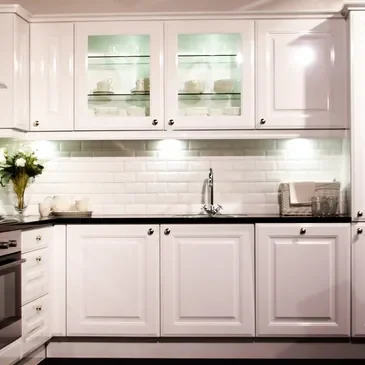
146	177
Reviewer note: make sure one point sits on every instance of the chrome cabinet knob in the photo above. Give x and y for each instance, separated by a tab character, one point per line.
171	122
36	123
38	308
13	243
155	122
39	238
167	231
39	259
150	232
303	231
359	231
4	245
360	213
262	121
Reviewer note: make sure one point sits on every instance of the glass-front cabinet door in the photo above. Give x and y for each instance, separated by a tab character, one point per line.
118	76
209	74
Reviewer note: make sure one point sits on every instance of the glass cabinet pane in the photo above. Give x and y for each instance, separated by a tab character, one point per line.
119	75
209	74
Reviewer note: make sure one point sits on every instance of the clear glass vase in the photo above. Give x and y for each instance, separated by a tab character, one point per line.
20	194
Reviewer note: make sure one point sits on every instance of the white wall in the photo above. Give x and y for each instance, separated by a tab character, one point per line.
169	177
106	6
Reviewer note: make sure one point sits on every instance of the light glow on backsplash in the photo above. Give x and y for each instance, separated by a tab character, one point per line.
169	176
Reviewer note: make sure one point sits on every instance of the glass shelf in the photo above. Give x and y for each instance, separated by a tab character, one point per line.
207	55
119	56
115	94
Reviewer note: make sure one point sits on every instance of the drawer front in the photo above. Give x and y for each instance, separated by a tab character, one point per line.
36	239
35	324
34	275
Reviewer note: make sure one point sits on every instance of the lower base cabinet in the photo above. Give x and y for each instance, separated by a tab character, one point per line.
358	279
113	280
303	280
35	324
207	278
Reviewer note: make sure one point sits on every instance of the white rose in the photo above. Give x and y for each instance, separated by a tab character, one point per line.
20	162
2	156
36	162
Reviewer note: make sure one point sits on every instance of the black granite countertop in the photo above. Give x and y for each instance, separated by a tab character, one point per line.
27	222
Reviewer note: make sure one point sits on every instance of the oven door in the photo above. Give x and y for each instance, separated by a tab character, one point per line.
10	298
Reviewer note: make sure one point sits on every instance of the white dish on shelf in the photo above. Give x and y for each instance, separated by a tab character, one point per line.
232	110
198	110
215	111
72	214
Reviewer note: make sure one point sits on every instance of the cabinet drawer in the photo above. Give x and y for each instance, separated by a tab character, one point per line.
36	238
34	275
35	326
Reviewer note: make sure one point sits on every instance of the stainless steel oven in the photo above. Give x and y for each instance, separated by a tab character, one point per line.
10	292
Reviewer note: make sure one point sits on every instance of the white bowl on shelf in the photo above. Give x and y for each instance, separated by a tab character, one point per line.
136	111
224	86
198	110
215	111
194	86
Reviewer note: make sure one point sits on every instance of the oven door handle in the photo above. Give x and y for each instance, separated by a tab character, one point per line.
12	264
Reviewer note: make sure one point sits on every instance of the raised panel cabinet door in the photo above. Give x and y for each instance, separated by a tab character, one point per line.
118	75
113	280
52	89
301	70
358	279
210	74
21	73
207	278
357	52
302	280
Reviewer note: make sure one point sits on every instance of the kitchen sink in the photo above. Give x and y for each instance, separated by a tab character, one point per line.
220	215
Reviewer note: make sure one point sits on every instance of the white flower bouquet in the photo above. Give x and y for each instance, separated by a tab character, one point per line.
19	169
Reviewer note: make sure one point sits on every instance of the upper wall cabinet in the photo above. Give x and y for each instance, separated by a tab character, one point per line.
118	76
52	47
209	74
301	74
14	72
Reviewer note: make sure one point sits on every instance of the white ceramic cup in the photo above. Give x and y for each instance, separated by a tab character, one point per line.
61	203
82	205
45	208
104	85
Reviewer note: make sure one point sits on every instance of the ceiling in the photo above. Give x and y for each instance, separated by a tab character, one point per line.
120	6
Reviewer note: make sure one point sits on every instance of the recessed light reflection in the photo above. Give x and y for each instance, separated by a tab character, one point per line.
170	148
304	56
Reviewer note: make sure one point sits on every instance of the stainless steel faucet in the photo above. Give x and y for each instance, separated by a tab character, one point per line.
210	208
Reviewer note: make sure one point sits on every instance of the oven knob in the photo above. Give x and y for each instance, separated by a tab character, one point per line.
4	245
13	243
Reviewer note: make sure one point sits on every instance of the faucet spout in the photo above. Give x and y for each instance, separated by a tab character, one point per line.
210	208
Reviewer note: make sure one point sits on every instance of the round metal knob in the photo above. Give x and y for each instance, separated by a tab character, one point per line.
38	308
150	232
359	231
4	245
155	122
171	122
360	213
39	259
13	243
303	231
262	121
36	123
167	232
39	238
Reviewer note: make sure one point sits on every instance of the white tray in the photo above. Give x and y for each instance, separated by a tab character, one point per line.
72	214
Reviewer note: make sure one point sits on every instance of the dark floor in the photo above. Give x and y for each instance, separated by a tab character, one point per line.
185	361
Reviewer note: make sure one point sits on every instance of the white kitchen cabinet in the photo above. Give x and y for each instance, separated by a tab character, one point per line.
113	280
35	324
358	279
357	52
207	278
210	75
51	79
118	76
14	72
302	280
301	74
